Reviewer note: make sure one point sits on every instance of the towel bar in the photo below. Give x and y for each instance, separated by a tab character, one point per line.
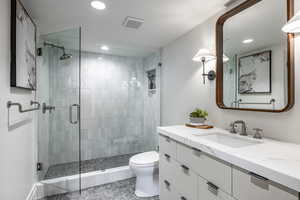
10	104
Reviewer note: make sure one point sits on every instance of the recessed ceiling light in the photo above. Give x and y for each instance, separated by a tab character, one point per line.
105	48
248	41
100	58
99	5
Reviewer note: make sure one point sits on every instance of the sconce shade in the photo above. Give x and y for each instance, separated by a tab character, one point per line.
204	54
225	58
207	55
293	25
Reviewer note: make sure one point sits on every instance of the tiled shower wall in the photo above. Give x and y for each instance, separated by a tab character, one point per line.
64	84
112	105
151	102
118	114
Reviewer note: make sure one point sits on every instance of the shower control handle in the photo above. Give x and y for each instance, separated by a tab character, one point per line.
45	108
71	113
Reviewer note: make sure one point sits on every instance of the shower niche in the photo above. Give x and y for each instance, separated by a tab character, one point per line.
151	74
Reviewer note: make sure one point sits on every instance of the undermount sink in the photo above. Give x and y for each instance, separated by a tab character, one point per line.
230	140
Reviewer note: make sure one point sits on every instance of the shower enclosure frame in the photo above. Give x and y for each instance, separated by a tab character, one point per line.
79	113
77	104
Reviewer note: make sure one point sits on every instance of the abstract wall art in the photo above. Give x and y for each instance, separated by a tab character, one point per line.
23	48
255	73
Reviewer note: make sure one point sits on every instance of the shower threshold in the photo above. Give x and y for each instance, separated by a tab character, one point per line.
99	164
67	184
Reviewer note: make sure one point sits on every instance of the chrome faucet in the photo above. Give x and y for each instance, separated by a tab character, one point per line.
232	128
45	108
244	128
258	133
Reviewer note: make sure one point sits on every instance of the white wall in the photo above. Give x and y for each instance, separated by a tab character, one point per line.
17	142
182	88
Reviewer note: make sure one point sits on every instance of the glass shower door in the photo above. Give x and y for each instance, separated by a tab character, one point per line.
59	120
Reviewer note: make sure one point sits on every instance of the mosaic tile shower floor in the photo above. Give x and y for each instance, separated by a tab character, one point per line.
68	169
121	190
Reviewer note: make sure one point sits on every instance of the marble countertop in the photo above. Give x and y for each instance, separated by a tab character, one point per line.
275	160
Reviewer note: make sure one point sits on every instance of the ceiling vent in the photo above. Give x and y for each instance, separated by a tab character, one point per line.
132	22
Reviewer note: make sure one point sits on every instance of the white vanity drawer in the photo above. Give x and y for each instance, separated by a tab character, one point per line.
167	146
208	191
250	186
167	189
167	166
211	169
169	192
186	181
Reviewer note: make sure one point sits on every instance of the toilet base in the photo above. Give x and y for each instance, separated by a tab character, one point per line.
147	186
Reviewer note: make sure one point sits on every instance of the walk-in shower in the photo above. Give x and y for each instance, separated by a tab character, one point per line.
107	108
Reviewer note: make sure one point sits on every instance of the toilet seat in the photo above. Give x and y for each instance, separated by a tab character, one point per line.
145	159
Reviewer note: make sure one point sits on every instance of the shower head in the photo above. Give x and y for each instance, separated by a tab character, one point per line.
65	56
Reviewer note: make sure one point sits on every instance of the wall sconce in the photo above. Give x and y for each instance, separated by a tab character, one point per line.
204	56
293	25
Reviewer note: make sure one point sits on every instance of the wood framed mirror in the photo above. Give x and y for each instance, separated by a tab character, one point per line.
255	58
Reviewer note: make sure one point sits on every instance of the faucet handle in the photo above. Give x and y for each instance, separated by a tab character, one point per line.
258	133
232	128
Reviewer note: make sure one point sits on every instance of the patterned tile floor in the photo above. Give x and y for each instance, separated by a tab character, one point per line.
121	190
68	169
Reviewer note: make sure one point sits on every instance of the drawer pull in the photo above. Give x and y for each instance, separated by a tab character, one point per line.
213	188
183	198
258	176
168	139
167	183
167	156
185	167
197	150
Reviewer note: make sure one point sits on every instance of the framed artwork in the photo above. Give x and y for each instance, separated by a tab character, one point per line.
254	73
23	48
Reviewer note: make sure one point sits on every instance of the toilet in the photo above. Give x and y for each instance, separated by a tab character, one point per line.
145	167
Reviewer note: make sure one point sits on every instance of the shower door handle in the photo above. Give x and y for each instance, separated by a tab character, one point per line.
71	113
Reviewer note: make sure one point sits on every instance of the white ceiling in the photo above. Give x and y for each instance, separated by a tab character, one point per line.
165	21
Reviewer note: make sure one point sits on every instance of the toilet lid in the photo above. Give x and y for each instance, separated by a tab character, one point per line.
147	158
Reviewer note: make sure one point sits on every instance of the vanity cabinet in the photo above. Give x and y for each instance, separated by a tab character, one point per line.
187	186
248	186
209	168
189	174
167	189
167	166
167	146
207	191
176	175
